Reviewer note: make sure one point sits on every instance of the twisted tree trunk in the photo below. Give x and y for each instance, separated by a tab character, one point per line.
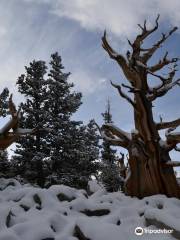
151	169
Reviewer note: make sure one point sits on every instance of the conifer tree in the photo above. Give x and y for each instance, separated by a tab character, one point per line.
62	103
4	102
109	172
4	164
67	153
86	154
32	149
72	144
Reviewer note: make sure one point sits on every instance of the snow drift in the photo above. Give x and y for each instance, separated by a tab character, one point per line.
64	213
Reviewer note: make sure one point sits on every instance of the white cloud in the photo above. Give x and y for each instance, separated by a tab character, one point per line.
119	16
86	82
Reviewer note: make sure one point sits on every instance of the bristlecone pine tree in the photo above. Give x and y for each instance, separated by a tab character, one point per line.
110	175
151	169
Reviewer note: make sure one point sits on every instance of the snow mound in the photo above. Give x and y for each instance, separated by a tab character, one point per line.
64	213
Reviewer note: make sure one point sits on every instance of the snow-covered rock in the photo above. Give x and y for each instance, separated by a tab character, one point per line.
64	213
94	186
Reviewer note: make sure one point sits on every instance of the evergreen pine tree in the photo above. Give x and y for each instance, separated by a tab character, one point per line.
109	171
4	164
62	103
4	102
70	150
31	150
67	154
84	155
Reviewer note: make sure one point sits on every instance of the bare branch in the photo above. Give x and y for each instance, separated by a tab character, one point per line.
112	53
165	86
113	141
106	133
122	94
157	45
7	141
164	125
130	74
170	77
172	164
162	63
117	132
144	34
131	89
12	107
172	137
162	90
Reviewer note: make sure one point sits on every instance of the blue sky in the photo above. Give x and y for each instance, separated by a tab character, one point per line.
33	29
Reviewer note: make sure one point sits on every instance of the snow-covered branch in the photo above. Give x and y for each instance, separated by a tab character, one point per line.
172	164
136	45
129	72
122	94
160	91
164	125
117	131
162	63
146	56
172	137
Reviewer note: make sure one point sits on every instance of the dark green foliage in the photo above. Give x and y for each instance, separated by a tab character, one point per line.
4	102
109	170
65	154
31	150
4	164
74	147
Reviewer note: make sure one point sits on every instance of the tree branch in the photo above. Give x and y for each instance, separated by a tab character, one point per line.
112	53
136	46
161	91
172	137
170	77
130	74
145	33
165	86
164	125
122	94
151	51
107	132
171	164
162	63
12	107
117	132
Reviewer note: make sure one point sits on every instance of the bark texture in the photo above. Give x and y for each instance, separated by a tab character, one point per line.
150	168
10	132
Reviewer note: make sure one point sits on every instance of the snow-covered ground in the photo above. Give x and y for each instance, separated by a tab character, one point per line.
64	213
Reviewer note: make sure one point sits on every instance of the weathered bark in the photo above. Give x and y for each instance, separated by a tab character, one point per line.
7	137
149	172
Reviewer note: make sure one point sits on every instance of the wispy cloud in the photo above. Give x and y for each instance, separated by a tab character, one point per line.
87	82
118	16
